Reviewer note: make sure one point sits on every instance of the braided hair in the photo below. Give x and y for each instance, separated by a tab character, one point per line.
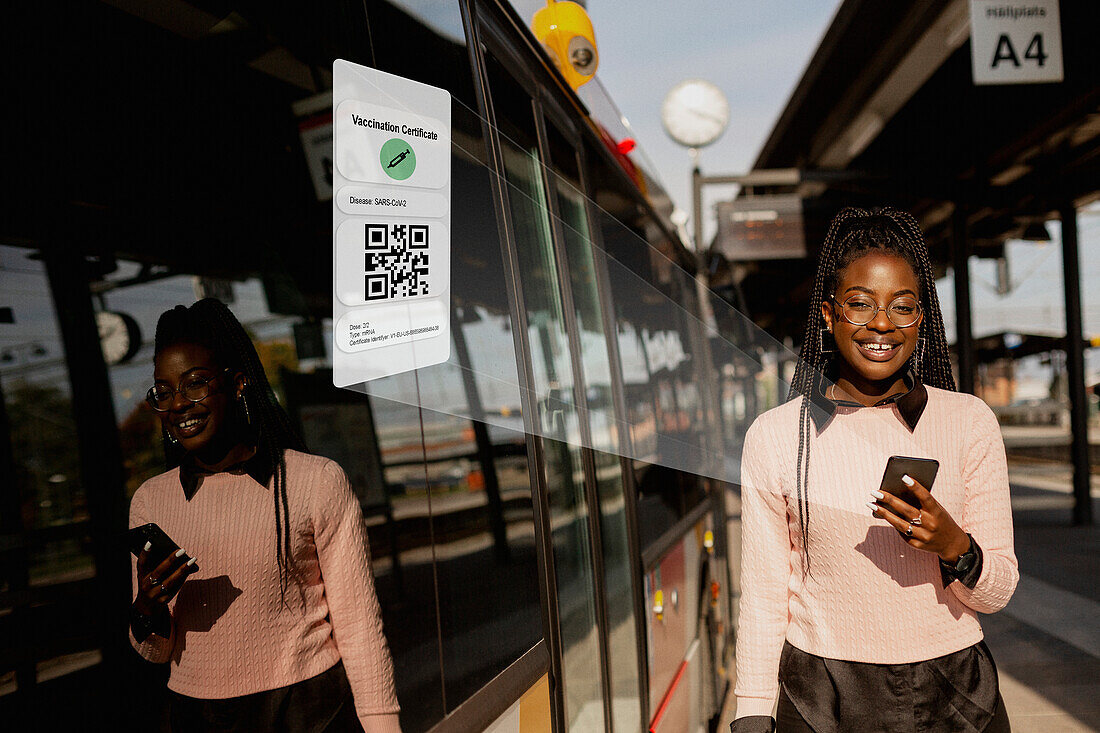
852	234
210	324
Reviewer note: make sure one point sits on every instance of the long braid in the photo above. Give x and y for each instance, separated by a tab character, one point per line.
209	323
802	483
852	234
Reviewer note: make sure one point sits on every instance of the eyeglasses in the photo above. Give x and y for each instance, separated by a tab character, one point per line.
859	310
194	388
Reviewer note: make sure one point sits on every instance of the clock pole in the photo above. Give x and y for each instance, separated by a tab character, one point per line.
701	286
697	204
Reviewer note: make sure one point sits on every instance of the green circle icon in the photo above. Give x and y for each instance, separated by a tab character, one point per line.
397	159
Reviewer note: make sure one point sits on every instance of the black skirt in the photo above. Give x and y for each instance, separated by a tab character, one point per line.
319	704
955	693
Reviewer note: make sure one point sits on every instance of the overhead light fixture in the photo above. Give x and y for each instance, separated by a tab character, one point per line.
1036	231
761	215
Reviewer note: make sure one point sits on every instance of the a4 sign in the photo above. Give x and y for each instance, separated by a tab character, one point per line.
1015	43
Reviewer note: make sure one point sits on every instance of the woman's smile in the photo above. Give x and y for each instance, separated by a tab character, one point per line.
189	425
878	350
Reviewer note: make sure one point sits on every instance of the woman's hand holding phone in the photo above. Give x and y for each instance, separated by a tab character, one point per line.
929	528
160	584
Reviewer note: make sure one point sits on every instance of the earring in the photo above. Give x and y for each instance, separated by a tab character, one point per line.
171	438
244	403
826	344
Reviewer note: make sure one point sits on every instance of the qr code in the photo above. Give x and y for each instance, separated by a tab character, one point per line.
396	261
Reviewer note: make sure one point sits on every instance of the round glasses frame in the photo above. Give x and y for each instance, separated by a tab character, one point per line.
873	314
191	387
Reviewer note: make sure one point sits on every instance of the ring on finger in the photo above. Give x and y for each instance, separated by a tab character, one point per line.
915	522
909	530
162	587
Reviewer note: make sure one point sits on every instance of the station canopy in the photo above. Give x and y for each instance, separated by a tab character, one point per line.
887	113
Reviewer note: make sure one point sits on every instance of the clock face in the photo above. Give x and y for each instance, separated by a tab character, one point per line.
695	113
119	336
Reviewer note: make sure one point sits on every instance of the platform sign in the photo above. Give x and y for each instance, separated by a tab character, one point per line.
761	228
1015	42
391	217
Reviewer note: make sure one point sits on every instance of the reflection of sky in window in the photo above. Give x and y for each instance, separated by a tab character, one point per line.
24	289
442	16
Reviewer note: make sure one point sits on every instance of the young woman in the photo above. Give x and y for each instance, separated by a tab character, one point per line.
268	613
858	608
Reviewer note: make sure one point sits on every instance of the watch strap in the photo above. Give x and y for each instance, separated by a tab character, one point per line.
142	626
968	576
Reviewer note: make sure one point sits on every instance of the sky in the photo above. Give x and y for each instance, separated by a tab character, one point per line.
755	52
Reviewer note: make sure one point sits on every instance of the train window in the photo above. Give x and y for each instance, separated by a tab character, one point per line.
468	483
654	306
554	385
587	303
430	47
485	540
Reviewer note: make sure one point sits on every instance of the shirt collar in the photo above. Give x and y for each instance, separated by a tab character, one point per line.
191	474
910	403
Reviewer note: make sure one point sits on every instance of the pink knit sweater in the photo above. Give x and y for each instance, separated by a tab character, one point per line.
871	597
231	633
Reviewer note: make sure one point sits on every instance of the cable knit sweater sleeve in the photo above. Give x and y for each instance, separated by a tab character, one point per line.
765	572
154	648
356	617
987	514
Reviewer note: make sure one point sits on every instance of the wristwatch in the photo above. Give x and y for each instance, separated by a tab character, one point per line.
143	626
965	562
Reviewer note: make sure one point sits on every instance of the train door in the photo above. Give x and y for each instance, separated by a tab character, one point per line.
571	601
615	560
591	605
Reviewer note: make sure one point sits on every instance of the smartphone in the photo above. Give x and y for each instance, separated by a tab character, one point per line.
922	469
162	544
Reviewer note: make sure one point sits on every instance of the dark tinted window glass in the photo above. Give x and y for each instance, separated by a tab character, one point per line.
193	151
584	259
654	306
554	385
476	474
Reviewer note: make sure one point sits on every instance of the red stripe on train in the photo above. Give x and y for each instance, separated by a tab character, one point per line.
668	697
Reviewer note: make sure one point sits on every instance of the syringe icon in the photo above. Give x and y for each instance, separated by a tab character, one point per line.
398	158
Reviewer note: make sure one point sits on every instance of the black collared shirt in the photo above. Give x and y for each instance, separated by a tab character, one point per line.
258	466
911	402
